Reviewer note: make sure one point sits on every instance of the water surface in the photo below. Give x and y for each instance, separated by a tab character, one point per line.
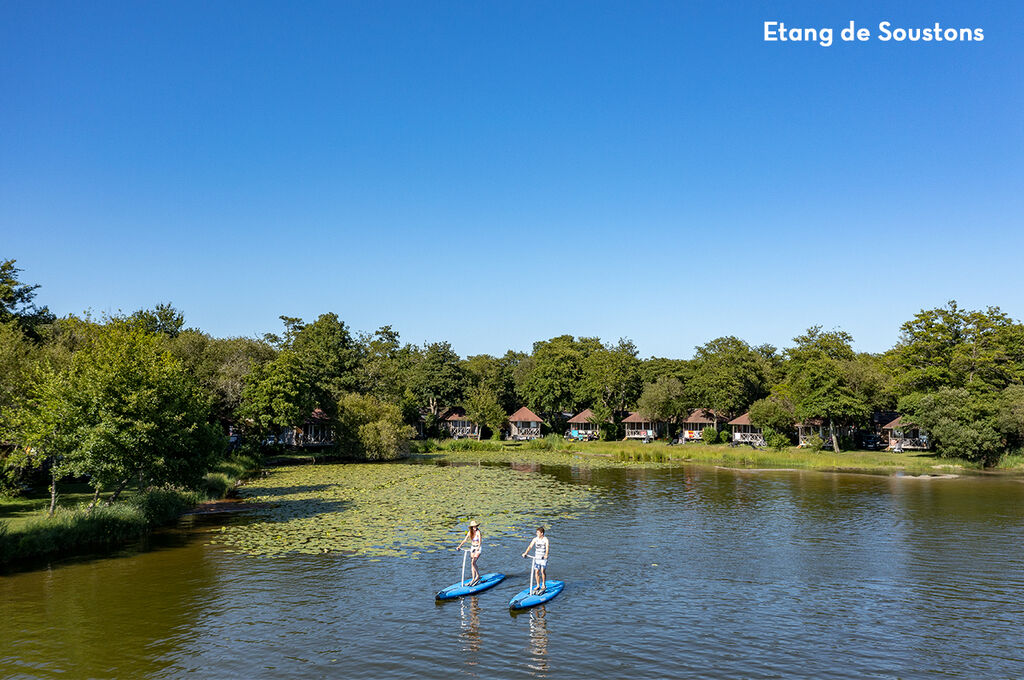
679	572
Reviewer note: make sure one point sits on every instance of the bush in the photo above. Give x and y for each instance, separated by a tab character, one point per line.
709	435
775	440
216	485
369	429
160	506
815	442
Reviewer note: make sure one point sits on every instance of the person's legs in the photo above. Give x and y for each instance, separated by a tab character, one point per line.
476	572
543	578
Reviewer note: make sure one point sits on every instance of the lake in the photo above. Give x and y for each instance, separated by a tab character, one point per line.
673	571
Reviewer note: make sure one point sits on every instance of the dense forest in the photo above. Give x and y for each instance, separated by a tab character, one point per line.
142	398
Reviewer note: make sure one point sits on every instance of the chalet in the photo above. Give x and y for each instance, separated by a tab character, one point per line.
692	429
810	427
315	432
904	437
524	424
743	432
639	427
460	426
581	427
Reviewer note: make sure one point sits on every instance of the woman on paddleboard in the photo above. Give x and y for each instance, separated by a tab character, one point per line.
476	545
541	549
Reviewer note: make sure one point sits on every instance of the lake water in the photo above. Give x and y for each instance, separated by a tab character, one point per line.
680	571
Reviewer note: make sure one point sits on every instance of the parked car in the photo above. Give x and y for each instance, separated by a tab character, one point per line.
870	442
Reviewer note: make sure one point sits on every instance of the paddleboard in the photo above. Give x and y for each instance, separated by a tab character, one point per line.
462	588
524	600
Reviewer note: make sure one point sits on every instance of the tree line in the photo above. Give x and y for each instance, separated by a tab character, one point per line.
142	398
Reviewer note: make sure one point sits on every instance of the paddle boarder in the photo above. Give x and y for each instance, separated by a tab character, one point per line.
541	549
476	545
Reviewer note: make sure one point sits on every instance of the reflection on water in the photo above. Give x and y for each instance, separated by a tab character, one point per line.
539	640
679	572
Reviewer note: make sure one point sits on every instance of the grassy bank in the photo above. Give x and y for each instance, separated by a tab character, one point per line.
27	532
718	454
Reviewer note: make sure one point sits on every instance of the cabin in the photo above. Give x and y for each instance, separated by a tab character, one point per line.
810	427
639	427
692	429
460	426
315	432
581	426
904	437
743	432
523	425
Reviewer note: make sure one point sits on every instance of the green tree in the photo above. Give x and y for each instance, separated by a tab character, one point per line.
959	422
329	356
163	319
729	376
664	401
276	395
611	376
125	410
551	378
371	429
17	301
775	412
497	374
437	378
482	407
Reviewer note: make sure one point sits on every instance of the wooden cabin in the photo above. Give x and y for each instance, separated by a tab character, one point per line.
904	437
743	432
639	427
692	429
523	425
810	427
460	426
315	432
581	426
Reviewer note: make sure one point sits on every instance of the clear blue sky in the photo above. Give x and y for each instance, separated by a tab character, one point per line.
493	173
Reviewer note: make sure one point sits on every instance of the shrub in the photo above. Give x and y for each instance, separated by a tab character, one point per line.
216	485
815	442
709	435
775	440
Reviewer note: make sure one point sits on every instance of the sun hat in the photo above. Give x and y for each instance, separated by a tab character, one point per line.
474	523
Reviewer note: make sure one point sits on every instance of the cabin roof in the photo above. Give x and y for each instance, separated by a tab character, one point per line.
742	420
457	413
583	416
524	415
898	422
635	417
699	415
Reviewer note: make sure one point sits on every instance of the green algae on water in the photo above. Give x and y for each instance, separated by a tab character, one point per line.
393	510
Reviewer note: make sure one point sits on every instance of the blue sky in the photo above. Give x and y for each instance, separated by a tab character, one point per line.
498	173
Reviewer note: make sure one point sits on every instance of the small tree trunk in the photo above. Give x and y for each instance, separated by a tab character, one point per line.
118	490
835	440
95	497
53	491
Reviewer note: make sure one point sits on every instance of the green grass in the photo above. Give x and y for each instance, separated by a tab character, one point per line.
28	532
718	454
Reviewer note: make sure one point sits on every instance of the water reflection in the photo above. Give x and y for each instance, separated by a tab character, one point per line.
470	633
539	640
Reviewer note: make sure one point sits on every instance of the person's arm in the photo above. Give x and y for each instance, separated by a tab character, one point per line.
464	539
529	546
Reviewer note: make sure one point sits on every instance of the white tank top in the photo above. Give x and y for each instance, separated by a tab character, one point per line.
540	548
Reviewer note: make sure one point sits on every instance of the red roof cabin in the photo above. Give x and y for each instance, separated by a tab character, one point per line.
693	426
743	432
639	427
582	426
524	425
904	437
460	426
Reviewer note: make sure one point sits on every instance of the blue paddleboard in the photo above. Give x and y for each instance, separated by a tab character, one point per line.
463	588
523	599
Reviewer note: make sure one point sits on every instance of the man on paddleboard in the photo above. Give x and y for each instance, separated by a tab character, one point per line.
541	549
476	546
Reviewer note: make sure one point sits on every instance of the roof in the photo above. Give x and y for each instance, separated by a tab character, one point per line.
811	422
894	424
635	417
524	415
583	416
742	420
697	415
457	414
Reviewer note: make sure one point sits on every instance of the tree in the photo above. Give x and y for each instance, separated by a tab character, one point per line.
482	407
370	429
611	376
728	377
664	401
497	375
126	410
437	378
329	357
17	302
276	395
959	423
163	319
550	379
775	412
